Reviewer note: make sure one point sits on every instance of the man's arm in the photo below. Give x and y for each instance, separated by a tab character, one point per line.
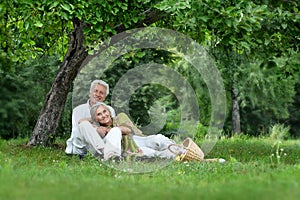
85	119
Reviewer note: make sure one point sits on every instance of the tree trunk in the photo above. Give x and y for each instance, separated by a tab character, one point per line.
54	104
236	122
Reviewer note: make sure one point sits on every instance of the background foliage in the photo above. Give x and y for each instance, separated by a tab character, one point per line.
255	45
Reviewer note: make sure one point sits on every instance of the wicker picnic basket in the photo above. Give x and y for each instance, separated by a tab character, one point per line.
192	151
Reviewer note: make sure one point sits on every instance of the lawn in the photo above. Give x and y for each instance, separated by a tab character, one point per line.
255	169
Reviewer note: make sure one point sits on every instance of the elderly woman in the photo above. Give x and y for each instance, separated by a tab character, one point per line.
104	147
150	146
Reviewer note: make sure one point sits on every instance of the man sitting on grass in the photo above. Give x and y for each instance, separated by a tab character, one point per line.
79	144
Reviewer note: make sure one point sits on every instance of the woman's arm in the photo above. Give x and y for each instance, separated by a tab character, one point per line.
103	131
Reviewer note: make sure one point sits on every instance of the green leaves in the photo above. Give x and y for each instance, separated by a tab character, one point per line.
23	88
67	8
234	24
172	6
39	24
32	27
53	5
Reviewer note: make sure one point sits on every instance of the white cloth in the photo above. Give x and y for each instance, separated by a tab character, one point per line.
155	145
74	143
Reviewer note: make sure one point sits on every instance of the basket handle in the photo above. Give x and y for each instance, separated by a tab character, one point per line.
178	149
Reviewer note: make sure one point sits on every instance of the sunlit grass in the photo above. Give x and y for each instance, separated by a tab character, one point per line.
249	173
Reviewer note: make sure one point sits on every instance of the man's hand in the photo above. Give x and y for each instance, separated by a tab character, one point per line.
125	130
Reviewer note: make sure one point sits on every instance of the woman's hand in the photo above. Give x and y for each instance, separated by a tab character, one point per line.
102	131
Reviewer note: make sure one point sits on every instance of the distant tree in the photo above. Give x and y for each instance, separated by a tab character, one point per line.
240	34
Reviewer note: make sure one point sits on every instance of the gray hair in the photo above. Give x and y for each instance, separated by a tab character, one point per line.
100	82
93	111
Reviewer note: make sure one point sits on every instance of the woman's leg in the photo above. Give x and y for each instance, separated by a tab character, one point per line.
91	138
155	145
112	143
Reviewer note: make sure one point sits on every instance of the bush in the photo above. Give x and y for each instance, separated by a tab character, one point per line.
23	89
279	132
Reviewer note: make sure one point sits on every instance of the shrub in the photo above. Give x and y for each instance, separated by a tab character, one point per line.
23	89
279	132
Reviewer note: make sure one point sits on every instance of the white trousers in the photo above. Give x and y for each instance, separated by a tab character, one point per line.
155	145
89	139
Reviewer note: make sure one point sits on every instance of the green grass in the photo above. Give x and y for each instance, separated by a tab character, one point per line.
47	173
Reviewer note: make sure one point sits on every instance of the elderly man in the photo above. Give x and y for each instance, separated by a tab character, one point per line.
80	143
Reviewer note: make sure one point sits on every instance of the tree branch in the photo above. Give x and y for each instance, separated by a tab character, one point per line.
151	15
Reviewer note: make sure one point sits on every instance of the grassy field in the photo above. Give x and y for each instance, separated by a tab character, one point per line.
255	169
